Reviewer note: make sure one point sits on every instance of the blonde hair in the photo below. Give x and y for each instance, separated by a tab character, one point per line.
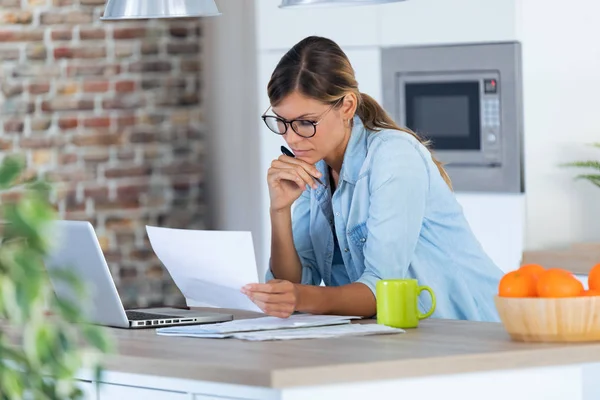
318	68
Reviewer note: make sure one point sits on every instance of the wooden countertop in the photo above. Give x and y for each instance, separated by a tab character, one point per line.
436	347
578	258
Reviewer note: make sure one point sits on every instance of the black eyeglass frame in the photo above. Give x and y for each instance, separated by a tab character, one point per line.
292	122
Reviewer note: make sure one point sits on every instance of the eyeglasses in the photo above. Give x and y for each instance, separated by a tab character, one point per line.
303	127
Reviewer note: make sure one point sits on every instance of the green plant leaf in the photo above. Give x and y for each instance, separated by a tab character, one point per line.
593	178
28	220
68	310
41	189
97	338
584	164
8	292
9	353
44	363
28	295
10	169
11	382
44	338
68	277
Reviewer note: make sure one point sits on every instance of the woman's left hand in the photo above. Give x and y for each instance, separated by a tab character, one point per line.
277	297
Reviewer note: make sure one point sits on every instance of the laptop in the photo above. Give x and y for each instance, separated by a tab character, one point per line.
75	247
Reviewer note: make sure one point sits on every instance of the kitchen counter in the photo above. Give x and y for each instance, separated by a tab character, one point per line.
436	347
235	369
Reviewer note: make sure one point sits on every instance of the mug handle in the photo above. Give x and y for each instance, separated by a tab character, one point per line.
428	313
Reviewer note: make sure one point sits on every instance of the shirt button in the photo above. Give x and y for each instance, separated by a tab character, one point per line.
337	214
363	240
346	250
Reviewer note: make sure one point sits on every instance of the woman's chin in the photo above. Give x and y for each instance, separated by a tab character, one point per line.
308	157
308	160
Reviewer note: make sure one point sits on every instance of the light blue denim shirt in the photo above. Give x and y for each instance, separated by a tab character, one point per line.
394	217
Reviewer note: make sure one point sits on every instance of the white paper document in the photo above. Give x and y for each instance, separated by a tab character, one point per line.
256	324
209	267
321	332
339	329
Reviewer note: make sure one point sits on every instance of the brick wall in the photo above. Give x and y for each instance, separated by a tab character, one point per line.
110	112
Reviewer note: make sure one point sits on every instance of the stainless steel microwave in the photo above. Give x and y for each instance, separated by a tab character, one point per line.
465	99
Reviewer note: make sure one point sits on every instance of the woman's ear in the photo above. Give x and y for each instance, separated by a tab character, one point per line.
348	107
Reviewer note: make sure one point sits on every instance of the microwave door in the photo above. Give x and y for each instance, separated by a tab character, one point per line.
448	115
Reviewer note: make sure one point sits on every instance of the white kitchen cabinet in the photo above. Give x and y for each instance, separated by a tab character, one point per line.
366	62
281	28
119	392
443	21
497	220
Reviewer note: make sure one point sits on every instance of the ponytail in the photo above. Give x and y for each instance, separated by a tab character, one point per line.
375	118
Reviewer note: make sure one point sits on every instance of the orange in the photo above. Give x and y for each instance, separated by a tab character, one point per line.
555	282
534	269
594	278
517	284
590	292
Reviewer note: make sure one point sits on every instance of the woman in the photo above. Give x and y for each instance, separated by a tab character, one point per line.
385	209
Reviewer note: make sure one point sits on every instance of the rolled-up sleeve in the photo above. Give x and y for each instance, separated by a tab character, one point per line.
399	186
302	242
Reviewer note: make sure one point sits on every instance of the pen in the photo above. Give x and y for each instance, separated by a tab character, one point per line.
288	153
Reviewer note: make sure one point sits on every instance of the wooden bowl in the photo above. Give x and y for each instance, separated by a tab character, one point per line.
570	319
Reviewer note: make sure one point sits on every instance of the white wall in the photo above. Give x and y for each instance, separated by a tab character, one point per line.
561	63
233	175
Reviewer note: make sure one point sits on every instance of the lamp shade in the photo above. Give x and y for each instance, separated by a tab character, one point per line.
149	9
331	3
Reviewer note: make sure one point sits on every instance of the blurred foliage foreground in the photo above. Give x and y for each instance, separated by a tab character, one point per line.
44	341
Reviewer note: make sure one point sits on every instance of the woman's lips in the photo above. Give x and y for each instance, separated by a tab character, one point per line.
300	153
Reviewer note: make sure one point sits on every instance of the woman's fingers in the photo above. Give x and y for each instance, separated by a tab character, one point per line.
273	298
273	286
311	169
309	179
275	310
288	175
276	297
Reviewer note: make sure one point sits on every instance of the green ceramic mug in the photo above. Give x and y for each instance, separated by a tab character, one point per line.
398	302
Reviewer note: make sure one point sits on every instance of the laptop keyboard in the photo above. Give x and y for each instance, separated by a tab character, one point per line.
138	316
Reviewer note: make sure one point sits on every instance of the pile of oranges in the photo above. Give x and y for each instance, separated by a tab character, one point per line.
534	280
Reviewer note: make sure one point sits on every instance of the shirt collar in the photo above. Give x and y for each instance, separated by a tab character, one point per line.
356	152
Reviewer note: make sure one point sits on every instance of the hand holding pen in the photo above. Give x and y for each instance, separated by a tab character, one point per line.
287	152
287	179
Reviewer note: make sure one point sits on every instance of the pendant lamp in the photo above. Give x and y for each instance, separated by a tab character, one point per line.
146	9
332	3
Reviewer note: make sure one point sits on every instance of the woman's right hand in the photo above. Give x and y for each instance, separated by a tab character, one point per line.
287	179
